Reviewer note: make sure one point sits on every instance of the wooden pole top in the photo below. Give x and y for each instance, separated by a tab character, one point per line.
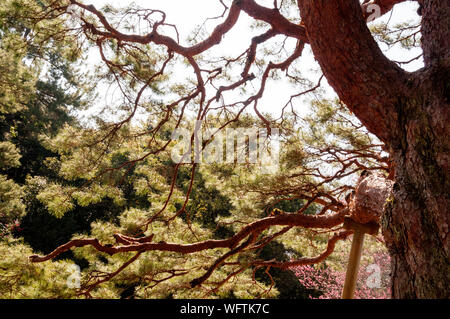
370	228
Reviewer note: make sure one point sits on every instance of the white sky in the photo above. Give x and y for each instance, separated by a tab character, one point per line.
188	14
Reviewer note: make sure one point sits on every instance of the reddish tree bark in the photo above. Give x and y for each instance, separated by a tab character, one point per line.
409	112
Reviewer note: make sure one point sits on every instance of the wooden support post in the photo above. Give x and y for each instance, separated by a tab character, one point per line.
355	254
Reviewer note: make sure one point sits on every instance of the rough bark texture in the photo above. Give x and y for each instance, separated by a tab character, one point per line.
417	220
416	225
410	113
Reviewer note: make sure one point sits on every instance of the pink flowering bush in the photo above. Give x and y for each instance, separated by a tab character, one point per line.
8	229
373	279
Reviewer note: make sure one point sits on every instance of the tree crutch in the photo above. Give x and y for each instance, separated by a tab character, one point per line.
360	230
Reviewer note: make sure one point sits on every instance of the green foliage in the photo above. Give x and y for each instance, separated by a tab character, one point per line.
407	34
207	203
16	79
9	155
11	205
285	281
19	278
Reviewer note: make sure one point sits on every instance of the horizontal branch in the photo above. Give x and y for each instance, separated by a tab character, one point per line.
306	260
305	221
273	17
154	37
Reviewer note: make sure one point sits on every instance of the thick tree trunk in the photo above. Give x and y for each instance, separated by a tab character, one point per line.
416	220
410	113
416	223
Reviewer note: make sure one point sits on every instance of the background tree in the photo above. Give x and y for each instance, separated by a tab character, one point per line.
39	93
